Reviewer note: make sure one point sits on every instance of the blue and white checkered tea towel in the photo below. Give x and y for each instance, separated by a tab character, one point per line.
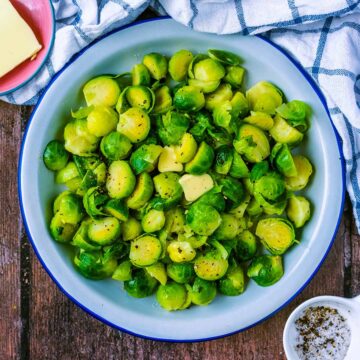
324	36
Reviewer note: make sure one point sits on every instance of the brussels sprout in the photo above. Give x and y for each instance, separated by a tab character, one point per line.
266	270
189	98
223	159
298	210
181	251
78	139
225	57
233	283
239	210
60	231
94	265
175	220
171	127
179	63
169	190
85	163
239	105
163	100
213	198
249	186
55	156
154	220
81	238
205	86
158	272
296	113
304	170
101	90
202	292
69	208
131	229
82	112
284	133
117	208
186	149
94	200
235	75
145	157
238	168
141	284
69	172
168	162
156	64
228	228
142	193
264	97
140	96
259	170
282	158
252	142
115	146
140	75
134	124
202	160
222	94
261	120
254	208
246	245
203	219
145	250
120	182
182	273
195	186
202	125
208	70
233	191
219	137
102	120
276	234
171	296
104	231
123	271
223	117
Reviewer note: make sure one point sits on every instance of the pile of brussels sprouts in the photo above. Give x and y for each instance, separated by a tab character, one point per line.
179	181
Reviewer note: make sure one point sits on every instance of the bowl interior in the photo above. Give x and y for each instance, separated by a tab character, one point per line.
106	299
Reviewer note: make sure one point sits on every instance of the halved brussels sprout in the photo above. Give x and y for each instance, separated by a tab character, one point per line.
296	113
239	210
218	97
189	98
223	159
228	228
179	63
282	158
304	170
140	75
266	270
181	251
235	75
205	86
262	120
156	64
213	198
134	124
239	105
233	191
131	229
259	170
78	139
276	234
208	70
246	245
225	57
94	200
145	250
123	271
202	292
167	186
141	284
254	208
101	90
182	273
145	158
102	120
104	231
284	133
203	219
163	100
195	186
158	272
233	283
270	186
153	220
81	238
171	296
85	163
69	208
142	193
140	96
121	181
175	220
168	162
238	168
298	210
171	127
202	160
117	208
55	156
115	146
186	149
60	231
69	172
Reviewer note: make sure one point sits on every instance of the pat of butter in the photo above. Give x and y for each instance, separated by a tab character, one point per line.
17	41
167	161
195	185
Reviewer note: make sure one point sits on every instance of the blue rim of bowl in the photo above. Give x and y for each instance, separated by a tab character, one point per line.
107	322
45	58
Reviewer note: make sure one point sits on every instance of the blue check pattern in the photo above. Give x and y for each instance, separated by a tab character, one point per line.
324	36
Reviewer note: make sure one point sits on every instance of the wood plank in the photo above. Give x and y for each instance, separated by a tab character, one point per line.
355	261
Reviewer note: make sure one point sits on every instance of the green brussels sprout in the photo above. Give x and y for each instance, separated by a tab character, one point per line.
175	220
123	271
171	296
298	210
182	273
189	98
85	163
246	245
235	75
60	231
261	120
228	228
266	270
296	113
252	142
145	250
153	220
223	159
239	105
134	124
158	272
104	231
186	149
140	96
140	75
238	168
208	70
222	94
202	124
259	170
115	146
284	133
264	97
94	201
101	90
169	190
205	86
233	191
156	64
213	198
282	158
211	266
276	234
102	120
225	57
171	127
82	112
69	172
249	185
203	219
94	264
69	208
270	186
131	229
142	193
223	117
181	251
163	100
81	238
304	170
233	283
145	157
239	210
202	292
179	63
120	182
117	208
141	284
254	208
55	156
78	139
202	161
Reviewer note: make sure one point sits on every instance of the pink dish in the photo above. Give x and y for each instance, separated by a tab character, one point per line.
39	14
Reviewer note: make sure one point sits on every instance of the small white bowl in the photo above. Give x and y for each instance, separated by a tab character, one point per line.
348	308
